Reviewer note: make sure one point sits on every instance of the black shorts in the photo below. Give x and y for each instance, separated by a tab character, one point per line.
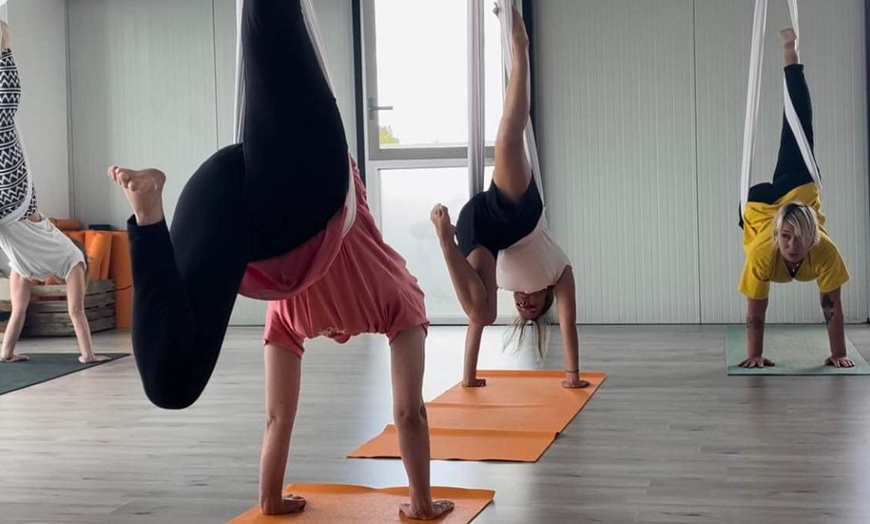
490	220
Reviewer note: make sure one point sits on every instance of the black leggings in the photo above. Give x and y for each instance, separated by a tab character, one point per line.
791	171
248	202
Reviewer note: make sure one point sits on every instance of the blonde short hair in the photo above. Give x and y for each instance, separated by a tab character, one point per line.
802	219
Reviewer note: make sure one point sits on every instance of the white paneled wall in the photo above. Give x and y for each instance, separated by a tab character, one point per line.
616	121
641	106
152	84
38	31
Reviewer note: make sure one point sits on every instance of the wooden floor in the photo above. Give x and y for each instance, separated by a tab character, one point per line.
669	438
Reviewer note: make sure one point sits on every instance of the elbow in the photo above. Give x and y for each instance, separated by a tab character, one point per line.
483	316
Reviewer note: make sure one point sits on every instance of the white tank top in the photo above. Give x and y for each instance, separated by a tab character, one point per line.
534	263
38	250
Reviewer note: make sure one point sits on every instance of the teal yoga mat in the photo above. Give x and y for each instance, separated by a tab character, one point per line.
43	367
796	350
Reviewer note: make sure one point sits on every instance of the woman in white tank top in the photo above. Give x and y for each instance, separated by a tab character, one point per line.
36	249
503	240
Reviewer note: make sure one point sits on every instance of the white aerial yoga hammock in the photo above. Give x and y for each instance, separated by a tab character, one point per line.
313	28
752	98
476	91
313	32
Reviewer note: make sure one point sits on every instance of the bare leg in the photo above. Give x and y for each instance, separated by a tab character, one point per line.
283	378
76	286
20	294
790	47
512	172
409	412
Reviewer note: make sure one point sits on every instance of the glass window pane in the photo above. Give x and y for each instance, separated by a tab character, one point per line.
422	68
406	198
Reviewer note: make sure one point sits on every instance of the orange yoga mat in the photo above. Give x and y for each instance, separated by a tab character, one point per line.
515	417
343	503
465	444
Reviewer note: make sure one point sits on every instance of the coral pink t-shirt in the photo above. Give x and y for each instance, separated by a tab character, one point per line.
343	282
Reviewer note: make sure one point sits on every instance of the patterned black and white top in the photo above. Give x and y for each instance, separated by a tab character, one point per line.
15	183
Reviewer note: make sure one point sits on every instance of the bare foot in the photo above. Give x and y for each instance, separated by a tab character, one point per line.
288	504
788	37
144	190
438	508
789	45
14	358
93	359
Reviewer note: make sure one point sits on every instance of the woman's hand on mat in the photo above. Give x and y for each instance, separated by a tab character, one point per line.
757	362
839	362
437	508
474	383
283	506
440	216
573	381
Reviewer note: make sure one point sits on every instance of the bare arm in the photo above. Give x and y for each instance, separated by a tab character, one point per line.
474	281
566	303
473	278
755	313
834	320
5	41
472	350
283	376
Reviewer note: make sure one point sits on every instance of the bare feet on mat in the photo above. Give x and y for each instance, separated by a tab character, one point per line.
435	510
288	504
839	362
144	190
474	383
11	359
757	362
93	359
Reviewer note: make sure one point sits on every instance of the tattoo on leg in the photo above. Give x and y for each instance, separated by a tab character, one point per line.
827	308
754	322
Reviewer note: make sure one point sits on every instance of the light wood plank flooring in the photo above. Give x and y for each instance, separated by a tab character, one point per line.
669	438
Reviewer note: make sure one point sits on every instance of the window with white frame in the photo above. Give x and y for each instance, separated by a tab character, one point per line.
416	63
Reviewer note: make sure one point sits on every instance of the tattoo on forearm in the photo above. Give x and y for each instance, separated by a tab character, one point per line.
754	323
827	308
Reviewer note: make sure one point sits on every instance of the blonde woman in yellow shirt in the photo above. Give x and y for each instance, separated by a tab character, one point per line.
784	233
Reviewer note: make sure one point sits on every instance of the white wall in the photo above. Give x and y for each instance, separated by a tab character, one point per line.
38	31
152	84
641	107
616	117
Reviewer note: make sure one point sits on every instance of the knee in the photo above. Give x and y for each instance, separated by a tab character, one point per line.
165	393
76	311
163	400
410	415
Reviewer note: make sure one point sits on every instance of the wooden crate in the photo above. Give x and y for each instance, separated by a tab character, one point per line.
48	316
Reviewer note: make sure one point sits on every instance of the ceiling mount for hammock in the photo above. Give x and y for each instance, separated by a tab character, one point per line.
759	24
476	145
